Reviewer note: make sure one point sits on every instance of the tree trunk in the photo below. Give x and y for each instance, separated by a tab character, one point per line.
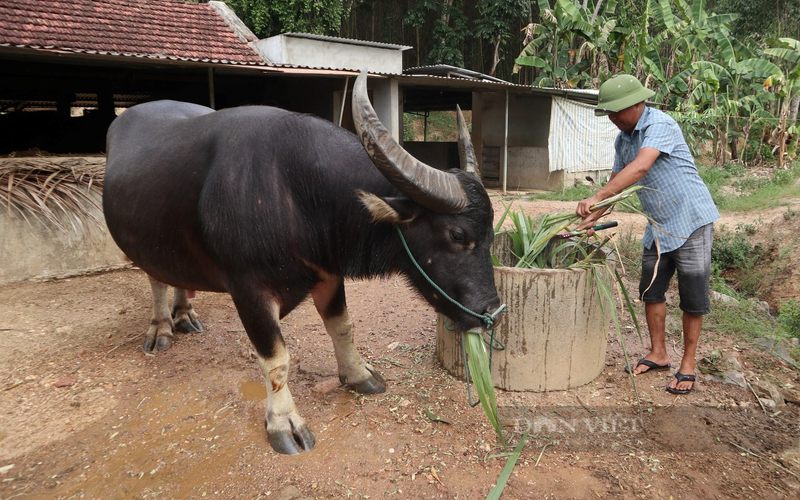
758	159
734	145
782	140
793	110
417	48
445	17
724	141
746	131
717	135
496	55
596	10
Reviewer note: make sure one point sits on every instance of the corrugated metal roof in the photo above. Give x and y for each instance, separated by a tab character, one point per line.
585	95
460	83
452	72
349	41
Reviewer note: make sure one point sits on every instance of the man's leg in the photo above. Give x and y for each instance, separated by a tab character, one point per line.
657	272
656	313
693	263
691	336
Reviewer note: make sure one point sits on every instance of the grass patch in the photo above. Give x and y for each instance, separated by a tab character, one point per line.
629	249
742	320
441	127
572	193
751	193
735	262
789	317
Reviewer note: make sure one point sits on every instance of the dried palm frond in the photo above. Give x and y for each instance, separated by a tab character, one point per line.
60	192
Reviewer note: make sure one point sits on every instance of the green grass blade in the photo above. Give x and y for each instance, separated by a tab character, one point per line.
480	372
503	217
507	469
607	298
629	305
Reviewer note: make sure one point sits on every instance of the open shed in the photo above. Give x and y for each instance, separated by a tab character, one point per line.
69	67
525	138
551	139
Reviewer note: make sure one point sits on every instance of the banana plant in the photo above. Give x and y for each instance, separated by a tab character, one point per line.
688	35
571	43
787	51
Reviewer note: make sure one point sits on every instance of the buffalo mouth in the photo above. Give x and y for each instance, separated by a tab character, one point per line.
466	321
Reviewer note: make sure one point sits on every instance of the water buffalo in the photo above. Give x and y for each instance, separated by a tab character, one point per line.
271	206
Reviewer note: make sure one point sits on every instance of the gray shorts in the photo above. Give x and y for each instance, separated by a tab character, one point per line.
693	263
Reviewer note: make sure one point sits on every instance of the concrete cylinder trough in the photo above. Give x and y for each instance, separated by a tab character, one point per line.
554	333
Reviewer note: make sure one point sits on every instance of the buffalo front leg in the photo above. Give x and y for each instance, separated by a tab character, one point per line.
159	335
329	299
286	430
184	317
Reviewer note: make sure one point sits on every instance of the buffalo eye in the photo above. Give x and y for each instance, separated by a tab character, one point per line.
457	236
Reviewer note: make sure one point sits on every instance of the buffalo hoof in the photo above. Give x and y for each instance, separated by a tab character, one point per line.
156	344
163	343
373	385
291	443
189	326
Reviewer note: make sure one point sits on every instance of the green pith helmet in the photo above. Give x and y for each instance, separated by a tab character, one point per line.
620	92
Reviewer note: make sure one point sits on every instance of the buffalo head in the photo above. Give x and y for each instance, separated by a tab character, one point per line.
446	218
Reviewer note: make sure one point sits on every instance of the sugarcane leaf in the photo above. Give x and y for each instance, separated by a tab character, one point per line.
502	479
629	305
478	365
503	217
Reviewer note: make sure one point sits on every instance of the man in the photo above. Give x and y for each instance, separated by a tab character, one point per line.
651	151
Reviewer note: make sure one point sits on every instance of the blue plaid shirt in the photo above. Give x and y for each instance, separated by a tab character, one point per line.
672	193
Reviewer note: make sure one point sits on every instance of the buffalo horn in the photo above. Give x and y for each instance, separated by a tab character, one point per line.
466	151
433	189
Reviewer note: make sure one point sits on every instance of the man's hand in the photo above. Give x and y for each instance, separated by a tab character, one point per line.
589	218
586	204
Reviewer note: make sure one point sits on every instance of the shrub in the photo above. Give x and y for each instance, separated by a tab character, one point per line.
789	317
734	258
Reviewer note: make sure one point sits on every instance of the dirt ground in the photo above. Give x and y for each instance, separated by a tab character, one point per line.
84	413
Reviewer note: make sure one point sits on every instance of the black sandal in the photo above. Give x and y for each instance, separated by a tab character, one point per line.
651	367
680	377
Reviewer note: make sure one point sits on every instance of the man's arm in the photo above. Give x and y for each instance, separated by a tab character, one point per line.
620	181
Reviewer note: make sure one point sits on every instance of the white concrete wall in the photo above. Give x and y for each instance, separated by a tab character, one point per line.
35	250
528	168
386	101
286	49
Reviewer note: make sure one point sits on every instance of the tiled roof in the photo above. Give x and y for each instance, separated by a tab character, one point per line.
161	29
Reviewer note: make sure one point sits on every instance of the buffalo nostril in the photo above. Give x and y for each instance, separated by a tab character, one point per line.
496	313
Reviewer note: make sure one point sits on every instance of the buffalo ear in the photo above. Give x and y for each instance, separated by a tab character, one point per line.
392	210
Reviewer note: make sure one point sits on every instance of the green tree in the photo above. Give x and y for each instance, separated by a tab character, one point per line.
730	86
496	18
787	83
272	17
568	43
449	27
762	19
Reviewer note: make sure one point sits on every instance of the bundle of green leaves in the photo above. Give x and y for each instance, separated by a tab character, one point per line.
535	243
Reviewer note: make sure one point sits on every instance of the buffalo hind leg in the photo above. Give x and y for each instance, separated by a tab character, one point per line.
329	299
286	430
184	317
159	335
